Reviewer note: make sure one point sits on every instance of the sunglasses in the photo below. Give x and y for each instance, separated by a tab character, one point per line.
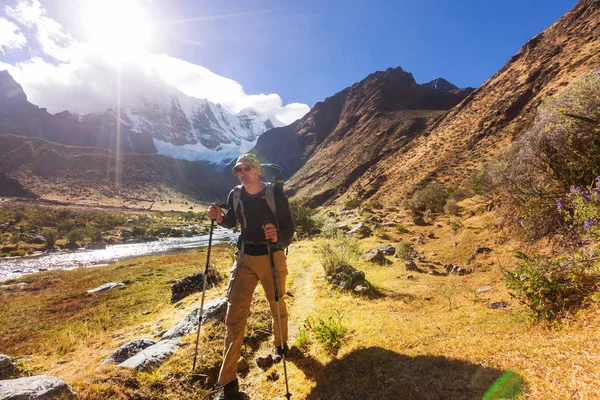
240	169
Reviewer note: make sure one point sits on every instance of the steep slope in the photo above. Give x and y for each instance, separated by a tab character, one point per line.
345	135
387	136
495	113
86	175
162	120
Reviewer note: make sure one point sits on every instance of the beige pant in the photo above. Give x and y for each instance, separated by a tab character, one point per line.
243	281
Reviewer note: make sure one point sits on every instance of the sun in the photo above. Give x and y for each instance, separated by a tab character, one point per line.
117	29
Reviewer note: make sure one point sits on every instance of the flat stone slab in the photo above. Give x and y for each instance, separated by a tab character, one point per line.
212	310
152	356
128	350
106	287
41	387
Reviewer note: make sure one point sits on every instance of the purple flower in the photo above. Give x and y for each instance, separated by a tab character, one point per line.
559	204
589	222
583	193
597	70
598	181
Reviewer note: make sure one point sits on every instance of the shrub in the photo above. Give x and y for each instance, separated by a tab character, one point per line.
451	207
328	332
455	224
551	287
582	207
405	250
375	203
400	229
75	236
381	233
94	234
432	197
306	221
50	235
559	151
353	203
17	253
337	251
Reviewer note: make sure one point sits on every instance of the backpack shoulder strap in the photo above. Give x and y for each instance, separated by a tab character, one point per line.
270	197
239	205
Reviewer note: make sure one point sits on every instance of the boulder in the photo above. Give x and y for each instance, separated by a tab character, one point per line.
128	350
455	269
388	250
41	387
347	277
8	367
478	250
152	356
376	256
183	287
410	265
213	310
106	287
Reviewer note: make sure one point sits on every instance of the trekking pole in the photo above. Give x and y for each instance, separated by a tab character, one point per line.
287	389
210	235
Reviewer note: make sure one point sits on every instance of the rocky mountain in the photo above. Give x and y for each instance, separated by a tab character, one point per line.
344	136
386	136
168	123
439	85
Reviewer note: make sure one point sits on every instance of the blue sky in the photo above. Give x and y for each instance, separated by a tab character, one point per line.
288	52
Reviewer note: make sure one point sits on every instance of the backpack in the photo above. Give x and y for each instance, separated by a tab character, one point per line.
273	178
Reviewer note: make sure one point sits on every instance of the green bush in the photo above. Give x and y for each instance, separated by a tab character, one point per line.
17	253
94	233
353	203
451	207
306	221
337	251
405	250
375	203
559	151
329	332
76	235
400	229
551	287
50	235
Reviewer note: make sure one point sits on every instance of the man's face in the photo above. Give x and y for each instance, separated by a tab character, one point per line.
247	174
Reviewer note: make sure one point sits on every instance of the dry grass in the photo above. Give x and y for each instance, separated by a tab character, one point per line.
428	337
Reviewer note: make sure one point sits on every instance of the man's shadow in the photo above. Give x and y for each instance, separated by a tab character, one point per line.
376	373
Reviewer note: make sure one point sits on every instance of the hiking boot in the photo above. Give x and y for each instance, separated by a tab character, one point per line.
231	391
279	353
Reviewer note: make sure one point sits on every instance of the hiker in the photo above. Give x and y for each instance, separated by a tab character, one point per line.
251	204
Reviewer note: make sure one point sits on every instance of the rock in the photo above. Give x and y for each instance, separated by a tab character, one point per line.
418	220
455	269
264	362
106	287
348	278
342	227
214	309
431	236
355	229
436	273
33	238
376	256
242	365
388	250
96	246
498	304
183	287
152	356
478	250
41	387
8	367
411	266
128	350
484	289
410	278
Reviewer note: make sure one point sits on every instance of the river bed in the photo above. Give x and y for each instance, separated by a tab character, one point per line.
11	268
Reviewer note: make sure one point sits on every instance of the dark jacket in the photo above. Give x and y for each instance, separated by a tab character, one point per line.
257	214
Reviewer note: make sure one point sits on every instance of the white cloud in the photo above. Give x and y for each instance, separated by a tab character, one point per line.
53	40
11	37
80	79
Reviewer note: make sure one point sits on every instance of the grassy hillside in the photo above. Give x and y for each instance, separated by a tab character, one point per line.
421	336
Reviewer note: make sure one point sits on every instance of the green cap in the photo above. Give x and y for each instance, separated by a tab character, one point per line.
248	159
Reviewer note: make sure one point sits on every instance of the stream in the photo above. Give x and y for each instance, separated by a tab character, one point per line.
15	267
